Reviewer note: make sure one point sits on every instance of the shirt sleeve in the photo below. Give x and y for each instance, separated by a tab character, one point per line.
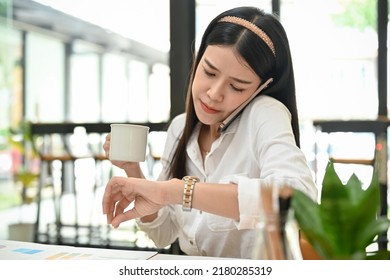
278	158
163	230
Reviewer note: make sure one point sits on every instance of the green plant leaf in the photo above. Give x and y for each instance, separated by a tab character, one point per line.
346	221
306	213
354	189
380	255
335	212
26	177
332	187
371	230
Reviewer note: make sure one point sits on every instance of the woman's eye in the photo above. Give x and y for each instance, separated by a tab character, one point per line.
237	89
208	73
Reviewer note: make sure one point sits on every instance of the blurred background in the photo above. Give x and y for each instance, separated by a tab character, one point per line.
70	68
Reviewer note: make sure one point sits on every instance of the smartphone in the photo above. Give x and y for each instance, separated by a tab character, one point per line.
237	111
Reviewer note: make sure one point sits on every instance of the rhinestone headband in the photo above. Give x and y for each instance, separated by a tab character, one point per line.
252	27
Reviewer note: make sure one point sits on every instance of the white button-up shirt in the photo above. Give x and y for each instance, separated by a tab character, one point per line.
257	146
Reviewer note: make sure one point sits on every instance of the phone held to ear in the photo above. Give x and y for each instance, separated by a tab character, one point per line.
237	111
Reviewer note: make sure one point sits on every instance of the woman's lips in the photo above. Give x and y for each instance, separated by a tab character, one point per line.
208	109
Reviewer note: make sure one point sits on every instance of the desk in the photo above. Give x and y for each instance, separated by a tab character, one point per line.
18	250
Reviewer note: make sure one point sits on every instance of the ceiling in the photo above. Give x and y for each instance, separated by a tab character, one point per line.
32	16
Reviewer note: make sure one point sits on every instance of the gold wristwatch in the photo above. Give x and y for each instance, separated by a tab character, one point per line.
189	185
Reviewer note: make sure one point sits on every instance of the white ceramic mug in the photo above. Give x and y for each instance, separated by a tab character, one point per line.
128	142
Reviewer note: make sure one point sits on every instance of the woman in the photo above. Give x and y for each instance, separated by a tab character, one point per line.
214	212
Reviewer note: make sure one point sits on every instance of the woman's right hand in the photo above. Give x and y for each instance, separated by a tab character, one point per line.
144	197
129	167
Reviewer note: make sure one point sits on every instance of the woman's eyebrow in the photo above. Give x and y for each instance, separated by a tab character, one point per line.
209	64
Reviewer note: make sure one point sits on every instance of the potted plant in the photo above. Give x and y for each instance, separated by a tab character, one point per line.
345	222
25	180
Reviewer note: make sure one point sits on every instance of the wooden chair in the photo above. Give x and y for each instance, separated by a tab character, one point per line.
56	173
53	143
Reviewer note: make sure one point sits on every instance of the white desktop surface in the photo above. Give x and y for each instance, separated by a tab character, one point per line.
18	250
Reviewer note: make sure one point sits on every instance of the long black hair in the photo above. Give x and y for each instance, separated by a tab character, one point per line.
260	58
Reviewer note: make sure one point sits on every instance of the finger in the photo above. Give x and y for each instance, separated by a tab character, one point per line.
106	144
126	216
110	213
110	196
107	200
123	204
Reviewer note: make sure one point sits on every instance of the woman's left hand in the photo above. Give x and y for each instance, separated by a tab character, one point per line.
147	198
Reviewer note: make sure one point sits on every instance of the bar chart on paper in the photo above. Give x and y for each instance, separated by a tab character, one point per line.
16	250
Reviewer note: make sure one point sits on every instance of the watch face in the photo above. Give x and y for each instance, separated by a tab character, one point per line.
187	178
189	184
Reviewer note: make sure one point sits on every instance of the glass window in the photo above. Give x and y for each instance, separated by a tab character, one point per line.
334	49
115	88
84	88
130	18
10	78
11	104
138	91
159	94
334	58
44	78
388	61
84	83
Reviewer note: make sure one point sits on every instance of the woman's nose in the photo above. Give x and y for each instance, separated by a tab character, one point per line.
216	92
